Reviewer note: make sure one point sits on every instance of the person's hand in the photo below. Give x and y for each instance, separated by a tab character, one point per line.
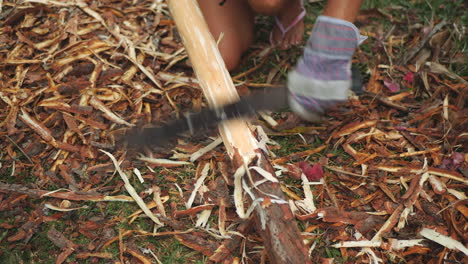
322	76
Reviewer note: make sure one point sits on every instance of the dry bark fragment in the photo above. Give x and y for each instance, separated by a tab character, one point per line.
350	128
197	241
63	243
38	127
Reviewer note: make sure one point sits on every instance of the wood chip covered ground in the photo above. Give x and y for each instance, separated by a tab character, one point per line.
382	180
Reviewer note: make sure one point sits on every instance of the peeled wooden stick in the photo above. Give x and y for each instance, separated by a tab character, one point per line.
211	72
275	221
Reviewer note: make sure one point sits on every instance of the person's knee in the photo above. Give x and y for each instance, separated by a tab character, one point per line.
267	7
231	50
232	60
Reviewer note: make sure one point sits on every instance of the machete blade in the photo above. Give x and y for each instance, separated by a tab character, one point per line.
207	119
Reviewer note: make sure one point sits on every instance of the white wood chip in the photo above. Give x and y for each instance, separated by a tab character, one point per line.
178	156
198	184
238	201
164	162
107	112
203	218
60	209
138	174
404	217
308	202
255	205
458	194
445	241
197	154
157	199
372	256
264	173
437	185
181	193
394	244
265	116
132	191
263	140
445	108
362	243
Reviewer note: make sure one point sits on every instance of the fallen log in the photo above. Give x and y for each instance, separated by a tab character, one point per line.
274	219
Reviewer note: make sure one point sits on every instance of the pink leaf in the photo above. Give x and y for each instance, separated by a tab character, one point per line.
314	173
409	77
392	86
454	162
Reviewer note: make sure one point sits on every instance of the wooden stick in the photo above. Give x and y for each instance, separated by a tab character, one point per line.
211	72
281	235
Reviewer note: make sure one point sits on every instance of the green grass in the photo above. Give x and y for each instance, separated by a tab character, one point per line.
288	145
424	13
332	252
172	251
427	9
37	250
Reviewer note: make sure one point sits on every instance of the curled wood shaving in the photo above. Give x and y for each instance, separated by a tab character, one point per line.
267	175
134	215
141	258
60	209
265	116
132	191
85	50
263	140
164	162
157	199
198	184
393	245
203	218
354	127
66	194
415	153
389	224
20	61
256	204
138	174
107	112
437	185
445	241
48	2
238	196
176	78
39	128
239	186
458	194
308	202
434	171
372	256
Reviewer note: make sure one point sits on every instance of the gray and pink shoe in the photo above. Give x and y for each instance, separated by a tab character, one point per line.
322	77
283	30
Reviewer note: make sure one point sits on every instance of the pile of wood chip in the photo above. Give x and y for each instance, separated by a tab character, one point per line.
384	179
